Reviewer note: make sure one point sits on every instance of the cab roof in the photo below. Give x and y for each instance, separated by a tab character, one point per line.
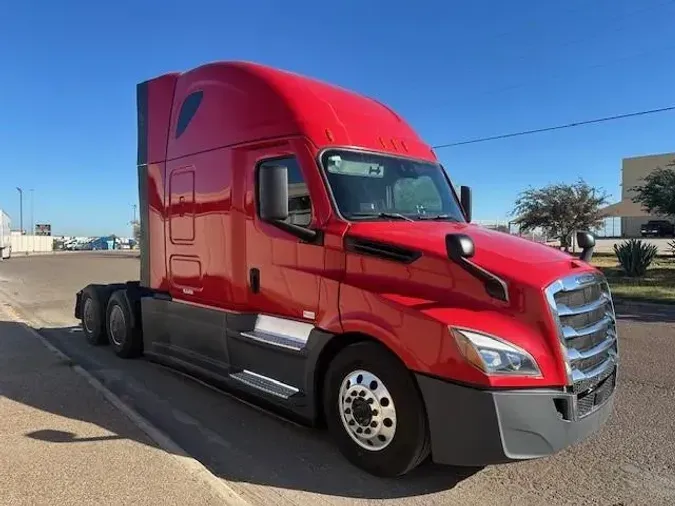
242	101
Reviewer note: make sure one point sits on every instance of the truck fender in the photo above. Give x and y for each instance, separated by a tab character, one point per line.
381	331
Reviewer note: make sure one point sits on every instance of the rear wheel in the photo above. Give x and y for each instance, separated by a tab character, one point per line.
374	411
123	334
93	318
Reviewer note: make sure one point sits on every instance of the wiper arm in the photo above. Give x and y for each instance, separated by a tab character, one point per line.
395	216
437	217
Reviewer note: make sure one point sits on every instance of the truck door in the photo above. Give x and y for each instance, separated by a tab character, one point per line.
281	276
283	270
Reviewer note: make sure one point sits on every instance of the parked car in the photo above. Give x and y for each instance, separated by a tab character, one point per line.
657	228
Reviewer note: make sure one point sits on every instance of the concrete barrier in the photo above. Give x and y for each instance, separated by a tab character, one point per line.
32	244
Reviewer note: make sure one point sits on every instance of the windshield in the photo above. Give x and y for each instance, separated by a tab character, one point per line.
374	186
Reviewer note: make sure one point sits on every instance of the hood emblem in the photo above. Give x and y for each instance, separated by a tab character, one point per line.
584	279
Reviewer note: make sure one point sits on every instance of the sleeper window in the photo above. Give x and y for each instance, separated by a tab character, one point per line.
187	111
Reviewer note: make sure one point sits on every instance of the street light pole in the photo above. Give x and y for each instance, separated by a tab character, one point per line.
20	209
32	223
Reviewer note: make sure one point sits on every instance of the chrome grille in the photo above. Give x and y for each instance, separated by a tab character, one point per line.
582	308
588	401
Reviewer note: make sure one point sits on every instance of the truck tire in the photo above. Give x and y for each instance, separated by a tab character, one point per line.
93	316
124	335
374	411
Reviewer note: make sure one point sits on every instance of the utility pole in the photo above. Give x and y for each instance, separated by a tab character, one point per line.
134	206
20	209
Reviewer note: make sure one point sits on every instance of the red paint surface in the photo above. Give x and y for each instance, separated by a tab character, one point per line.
204	244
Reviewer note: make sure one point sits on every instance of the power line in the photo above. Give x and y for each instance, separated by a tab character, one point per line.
557	127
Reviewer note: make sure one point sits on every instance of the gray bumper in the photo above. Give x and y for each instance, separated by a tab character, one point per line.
471	427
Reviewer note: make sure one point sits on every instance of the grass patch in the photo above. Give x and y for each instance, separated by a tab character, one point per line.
658	285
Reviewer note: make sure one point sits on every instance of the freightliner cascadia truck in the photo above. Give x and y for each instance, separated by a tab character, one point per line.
301	246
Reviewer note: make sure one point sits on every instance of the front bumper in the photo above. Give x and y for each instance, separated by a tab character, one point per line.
471	427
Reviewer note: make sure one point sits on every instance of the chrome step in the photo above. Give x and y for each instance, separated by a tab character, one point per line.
278	340
265	384
280	332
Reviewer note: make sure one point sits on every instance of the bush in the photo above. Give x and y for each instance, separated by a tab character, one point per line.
635	256
671	245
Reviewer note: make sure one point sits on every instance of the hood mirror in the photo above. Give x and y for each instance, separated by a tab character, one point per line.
586	242
460	248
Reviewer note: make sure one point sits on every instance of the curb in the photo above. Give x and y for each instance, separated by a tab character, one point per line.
162	440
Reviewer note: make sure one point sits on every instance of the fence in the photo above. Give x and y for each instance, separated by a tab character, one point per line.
510	228
32	244
610	229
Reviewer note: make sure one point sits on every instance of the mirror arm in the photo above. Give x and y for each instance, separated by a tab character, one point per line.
494	285
460	248
306	234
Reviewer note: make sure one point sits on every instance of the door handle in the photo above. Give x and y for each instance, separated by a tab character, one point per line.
254	279
181	206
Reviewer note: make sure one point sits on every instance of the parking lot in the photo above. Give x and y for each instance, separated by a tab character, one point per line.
274	462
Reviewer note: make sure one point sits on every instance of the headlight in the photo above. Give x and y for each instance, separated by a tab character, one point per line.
494	356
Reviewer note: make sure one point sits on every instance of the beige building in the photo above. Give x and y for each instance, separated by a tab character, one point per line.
633	172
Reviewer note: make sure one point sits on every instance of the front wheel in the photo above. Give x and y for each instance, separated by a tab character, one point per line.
374	411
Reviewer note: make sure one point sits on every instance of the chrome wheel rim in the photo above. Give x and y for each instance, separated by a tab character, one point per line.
117	325
89	316
367	410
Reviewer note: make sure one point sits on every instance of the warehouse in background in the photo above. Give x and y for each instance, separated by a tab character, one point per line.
23	244
15	242
5	236
631	216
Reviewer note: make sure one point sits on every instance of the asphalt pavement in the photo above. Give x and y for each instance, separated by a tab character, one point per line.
270	461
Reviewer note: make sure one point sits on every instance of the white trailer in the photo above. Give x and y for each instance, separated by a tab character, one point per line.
5	236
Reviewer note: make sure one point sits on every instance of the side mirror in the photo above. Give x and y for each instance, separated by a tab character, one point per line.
273	193
586	242
465	199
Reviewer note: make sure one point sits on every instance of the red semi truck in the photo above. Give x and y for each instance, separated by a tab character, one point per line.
303	247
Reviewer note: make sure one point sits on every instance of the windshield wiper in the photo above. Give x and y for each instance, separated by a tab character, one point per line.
395	216
437	217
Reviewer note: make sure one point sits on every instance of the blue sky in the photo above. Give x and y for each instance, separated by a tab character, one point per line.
455	70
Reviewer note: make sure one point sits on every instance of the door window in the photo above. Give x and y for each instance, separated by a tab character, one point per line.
299	202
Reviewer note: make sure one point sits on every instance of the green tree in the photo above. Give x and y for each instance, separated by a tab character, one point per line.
657	194
560	209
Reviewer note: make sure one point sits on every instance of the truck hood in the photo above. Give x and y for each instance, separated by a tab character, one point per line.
510	257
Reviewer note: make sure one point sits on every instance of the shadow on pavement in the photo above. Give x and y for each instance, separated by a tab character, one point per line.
644	312
235	440
59	436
